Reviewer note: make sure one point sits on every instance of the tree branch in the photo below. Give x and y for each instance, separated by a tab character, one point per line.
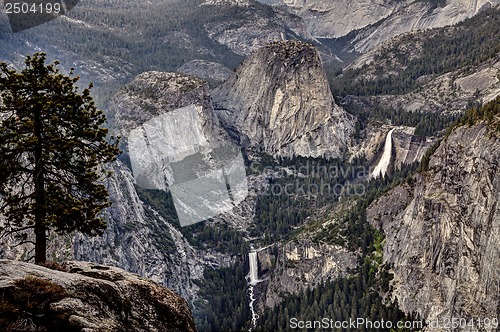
31	257
10	232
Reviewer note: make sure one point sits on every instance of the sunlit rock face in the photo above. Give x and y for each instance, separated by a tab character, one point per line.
137	238
382	19
167	138
279	102
154	93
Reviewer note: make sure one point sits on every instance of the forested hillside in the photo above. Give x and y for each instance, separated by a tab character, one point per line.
408	61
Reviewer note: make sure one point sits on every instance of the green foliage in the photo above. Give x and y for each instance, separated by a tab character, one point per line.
161	202
489	113
427	124
219	237
223	304
424	163
291	198
352	230
130	38
467	44
52	145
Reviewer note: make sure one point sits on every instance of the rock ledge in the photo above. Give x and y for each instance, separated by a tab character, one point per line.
88	297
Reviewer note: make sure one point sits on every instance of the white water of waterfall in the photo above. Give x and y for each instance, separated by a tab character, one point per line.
254	269
383	164
253	278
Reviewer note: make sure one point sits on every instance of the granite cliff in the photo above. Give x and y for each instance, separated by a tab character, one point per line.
278	102
163	118
442	230
291	110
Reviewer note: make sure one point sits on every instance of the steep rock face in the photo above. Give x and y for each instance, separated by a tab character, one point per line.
442	231
136	239
279	101
173	140
408	147
88	297
148	113
418	15
447	92
331	19
385	18
299	265
139	240
163	118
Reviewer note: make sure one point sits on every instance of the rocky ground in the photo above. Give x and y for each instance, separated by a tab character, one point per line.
82	296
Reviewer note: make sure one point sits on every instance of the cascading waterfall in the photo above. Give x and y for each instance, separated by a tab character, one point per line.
383	164
254	268
253	279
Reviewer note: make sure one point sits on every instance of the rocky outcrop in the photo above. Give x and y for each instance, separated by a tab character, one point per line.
85	296
297	265
291	110
332	19
445	93
417	15
408	147
442	231
172	140
163	118
137	238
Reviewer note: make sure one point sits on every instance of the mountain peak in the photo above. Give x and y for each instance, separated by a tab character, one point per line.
292	111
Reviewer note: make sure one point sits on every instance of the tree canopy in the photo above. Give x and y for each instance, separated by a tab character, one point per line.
52	147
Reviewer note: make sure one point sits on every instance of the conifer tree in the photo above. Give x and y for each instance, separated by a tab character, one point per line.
52	147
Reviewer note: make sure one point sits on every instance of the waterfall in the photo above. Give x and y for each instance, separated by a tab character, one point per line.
383	164
253	279
254	268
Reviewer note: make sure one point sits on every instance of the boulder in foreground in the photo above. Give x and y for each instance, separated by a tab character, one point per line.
86	297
